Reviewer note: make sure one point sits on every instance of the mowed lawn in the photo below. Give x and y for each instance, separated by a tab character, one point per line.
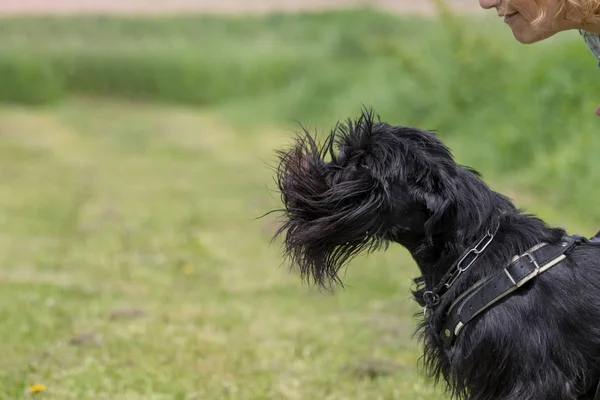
134	266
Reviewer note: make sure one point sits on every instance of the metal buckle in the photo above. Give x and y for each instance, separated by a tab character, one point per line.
527	277
510	276
532	260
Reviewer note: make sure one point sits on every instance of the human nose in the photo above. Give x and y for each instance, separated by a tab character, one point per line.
487	4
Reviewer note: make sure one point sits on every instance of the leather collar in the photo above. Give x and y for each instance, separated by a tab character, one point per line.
521	269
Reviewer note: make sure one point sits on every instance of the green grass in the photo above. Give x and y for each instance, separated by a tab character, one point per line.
150	213
133	263
134	268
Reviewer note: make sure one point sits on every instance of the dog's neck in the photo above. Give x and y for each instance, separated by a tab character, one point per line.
436	256
516	232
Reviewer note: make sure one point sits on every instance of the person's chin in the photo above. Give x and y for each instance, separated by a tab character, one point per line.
526	37
532	36
526	34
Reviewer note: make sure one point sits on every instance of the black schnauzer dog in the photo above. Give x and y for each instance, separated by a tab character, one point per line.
512	305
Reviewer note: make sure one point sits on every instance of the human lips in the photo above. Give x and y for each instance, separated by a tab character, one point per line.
509	16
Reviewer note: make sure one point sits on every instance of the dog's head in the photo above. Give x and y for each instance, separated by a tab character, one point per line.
370	184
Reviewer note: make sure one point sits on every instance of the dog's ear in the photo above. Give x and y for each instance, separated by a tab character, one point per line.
440	201
460	205
436	204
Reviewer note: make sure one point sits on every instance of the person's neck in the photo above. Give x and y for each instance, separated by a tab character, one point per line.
572	22
593	28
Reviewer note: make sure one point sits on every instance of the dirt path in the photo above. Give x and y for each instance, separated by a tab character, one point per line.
215	6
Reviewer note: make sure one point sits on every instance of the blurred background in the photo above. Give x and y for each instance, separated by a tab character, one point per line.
136	145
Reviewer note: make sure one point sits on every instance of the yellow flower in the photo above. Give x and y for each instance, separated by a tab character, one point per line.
36	388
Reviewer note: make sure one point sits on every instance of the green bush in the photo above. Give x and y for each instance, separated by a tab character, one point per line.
309	66
525	112
28	80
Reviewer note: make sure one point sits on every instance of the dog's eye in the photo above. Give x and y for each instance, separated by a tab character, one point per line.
359	166
362	162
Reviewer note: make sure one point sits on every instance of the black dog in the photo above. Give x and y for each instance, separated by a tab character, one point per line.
512	306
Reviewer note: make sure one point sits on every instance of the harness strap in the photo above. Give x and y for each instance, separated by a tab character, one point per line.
483	295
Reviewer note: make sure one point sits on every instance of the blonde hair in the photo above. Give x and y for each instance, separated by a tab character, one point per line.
581	11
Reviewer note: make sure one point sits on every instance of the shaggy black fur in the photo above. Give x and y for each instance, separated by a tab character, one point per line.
371	184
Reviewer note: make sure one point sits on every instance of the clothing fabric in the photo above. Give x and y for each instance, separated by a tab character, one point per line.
593	42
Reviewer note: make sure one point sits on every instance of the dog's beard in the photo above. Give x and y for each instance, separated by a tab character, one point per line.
331	213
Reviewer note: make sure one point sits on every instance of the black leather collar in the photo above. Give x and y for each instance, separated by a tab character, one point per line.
487	292
521	270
